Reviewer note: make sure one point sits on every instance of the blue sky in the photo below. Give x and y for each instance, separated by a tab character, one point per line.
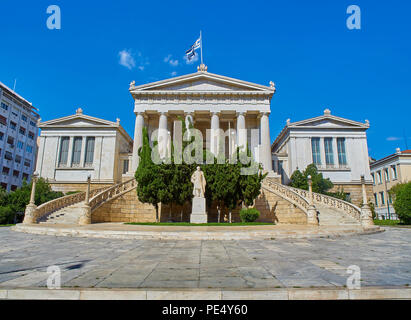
303	46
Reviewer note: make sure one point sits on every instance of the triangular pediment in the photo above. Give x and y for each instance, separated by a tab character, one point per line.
202	82
78	120
328	121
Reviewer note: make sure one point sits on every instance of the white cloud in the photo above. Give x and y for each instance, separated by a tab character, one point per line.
127	59
141	68
172	62
194	59
174	73
393	138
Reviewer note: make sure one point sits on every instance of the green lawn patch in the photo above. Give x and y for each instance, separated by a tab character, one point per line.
392	223
7	225
212	224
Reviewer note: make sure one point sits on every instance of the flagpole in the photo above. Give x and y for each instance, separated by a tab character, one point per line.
201	47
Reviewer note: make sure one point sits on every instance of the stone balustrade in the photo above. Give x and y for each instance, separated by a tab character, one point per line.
288	194
111	193
341	205
62	202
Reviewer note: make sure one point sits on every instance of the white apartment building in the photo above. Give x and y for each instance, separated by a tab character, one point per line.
18	137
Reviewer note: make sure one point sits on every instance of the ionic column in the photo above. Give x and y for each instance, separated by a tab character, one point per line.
215	126
162	134
241	132
138	141
265	142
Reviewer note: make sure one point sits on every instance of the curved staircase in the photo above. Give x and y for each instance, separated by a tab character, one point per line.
330	211
68	209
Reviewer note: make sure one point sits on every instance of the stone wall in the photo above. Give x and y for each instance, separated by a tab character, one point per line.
126	208
355	191
275	209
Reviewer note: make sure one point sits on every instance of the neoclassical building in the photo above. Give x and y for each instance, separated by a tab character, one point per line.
337	146
212	102
229	113
76	146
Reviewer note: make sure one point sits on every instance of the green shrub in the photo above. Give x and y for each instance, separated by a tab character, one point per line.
402	203
249	215
6	215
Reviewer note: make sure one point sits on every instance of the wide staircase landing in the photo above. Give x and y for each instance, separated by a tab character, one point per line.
67	215
330	217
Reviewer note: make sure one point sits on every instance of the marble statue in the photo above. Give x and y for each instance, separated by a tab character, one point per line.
199	182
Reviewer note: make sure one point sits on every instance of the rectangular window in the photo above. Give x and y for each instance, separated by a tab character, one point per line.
89	151
125	166
14	114
20	144
32	123
342	158
387	177
29	149
373	178
4	106
12	125
17	159
22	131
315	147
25	176
1	136
8	155
3	120
379	177
394	172
376	199
76	151
31	135
328	146
10	140
6	170
382	198
27	162
64	146
16	173
24	118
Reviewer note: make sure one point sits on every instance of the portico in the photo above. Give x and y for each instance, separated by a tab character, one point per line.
229	113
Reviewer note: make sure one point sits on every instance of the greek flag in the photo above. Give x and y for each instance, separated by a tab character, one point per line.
191	52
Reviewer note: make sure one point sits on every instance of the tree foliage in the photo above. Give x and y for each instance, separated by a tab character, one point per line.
16	201
170	182
402	202
319	183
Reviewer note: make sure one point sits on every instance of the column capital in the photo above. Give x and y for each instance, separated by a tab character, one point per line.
215	113
163	113
240	113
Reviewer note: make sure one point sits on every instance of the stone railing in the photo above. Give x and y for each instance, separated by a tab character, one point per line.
338	204
111	193
62	202
287	194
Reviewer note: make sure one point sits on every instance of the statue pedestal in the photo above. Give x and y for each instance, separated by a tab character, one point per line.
198	212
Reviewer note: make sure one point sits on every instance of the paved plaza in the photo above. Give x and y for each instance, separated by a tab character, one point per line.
384	259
